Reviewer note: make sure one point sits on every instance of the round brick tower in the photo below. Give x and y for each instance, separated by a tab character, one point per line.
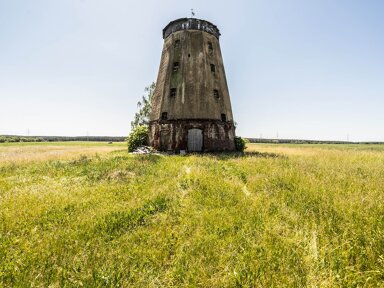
191	108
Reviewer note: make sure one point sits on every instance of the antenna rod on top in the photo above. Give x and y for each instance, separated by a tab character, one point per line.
192	13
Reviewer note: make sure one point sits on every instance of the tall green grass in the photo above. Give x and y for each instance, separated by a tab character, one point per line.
280	215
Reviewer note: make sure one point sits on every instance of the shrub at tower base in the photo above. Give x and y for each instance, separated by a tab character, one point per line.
240	143
138	137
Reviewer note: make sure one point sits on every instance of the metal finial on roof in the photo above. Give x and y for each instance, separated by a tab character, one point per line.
192	13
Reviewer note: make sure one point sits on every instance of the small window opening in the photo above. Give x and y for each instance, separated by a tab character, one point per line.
213	68
173	92
210	48
175	66
176	44
164	116
189	55
216	93
223	117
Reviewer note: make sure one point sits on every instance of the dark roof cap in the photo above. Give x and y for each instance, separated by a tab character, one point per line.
191	24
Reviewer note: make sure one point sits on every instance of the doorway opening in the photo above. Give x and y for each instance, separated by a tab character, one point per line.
195	140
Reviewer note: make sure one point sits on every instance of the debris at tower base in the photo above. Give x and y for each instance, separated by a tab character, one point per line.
192	135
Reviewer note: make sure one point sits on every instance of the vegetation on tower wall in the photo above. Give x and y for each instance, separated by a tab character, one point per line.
145	106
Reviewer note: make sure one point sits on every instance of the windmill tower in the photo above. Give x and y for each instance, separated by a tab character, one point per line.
191	108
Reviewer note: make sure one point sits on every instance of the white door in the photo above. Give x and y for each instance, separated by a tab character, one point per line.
195	140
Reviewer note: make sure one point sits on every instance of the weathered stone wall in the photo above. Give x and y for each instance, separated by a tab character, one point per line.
191	89
172	135
194	81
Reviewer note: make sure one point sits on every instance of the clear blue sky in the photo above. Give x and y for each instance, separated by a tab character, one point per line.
306	69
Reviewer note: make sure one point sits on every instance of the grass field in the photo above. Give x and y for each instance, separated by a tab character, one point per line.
90	214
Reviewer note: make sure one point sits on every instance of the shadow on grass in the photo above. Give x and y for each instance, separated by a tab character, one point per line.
233	155
217	155
152	158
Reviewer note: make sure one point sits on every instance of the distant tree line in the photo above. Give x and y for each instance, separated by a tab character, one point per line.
298	141
14	138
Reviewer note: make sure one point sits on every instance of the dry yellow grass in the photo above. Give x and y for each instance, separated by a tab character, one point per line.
277	216
30	152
